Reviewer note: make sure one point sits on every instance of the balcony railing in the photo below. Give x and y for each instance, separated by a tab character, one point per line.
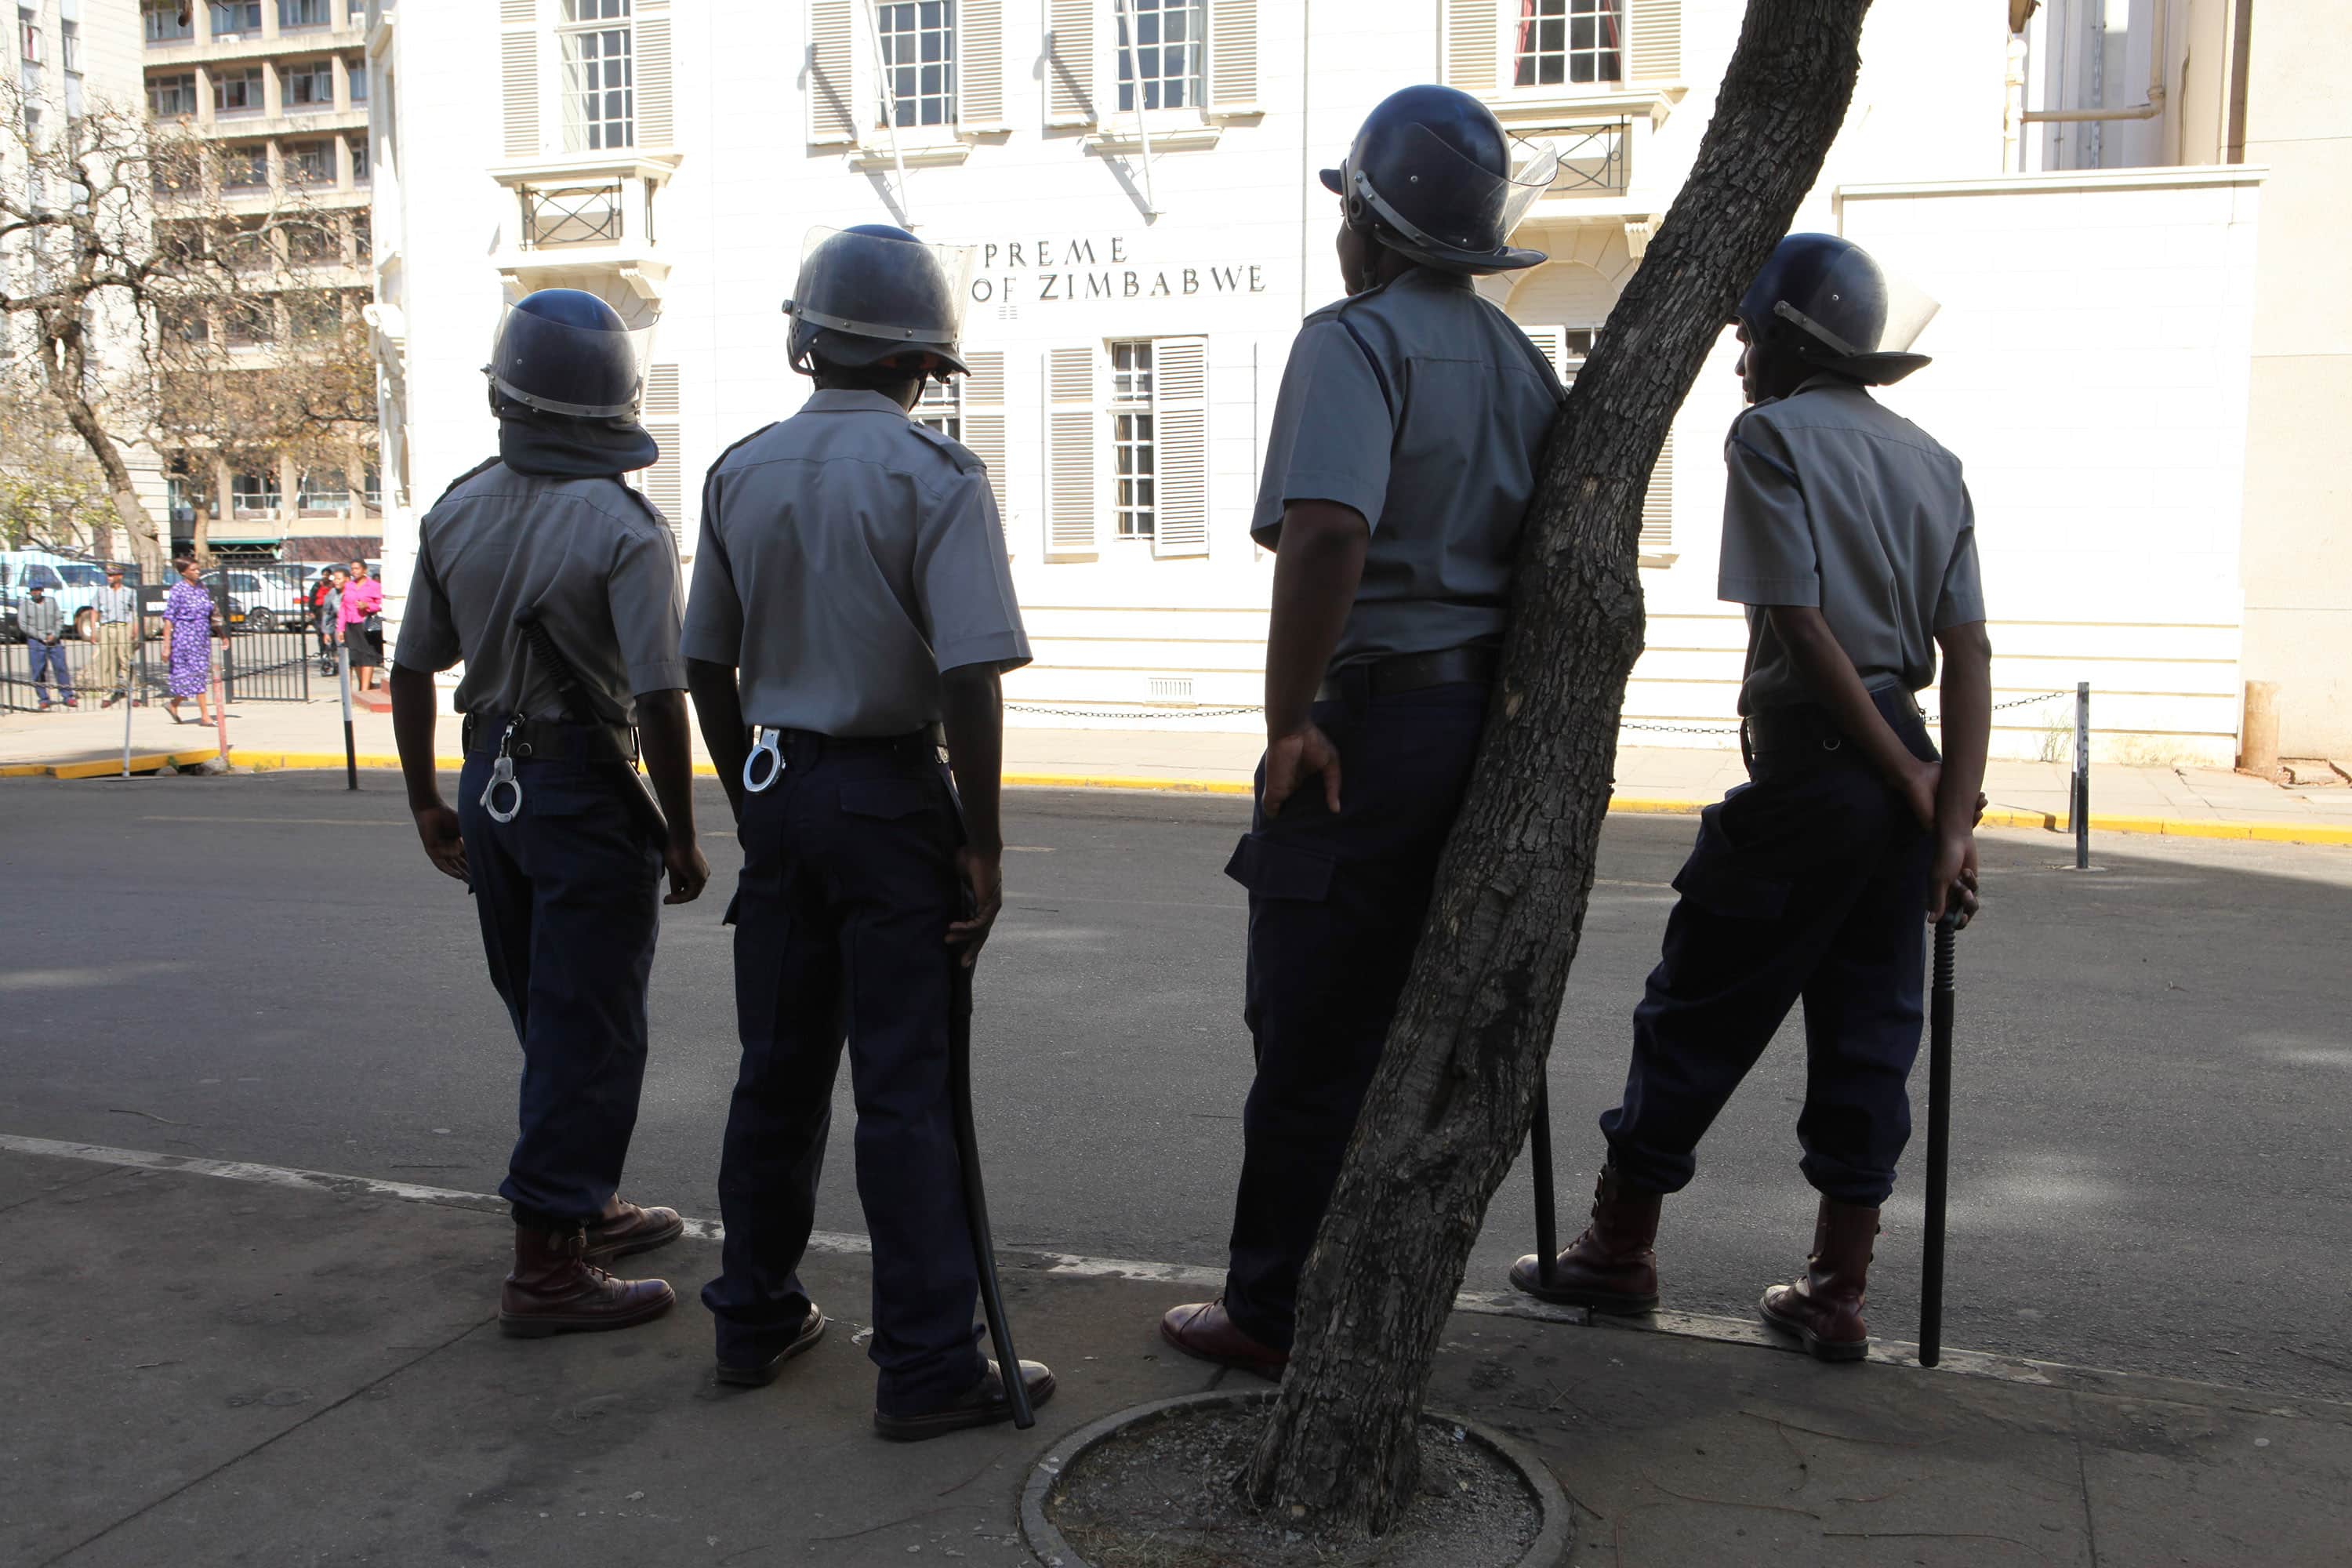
554	216
1592	160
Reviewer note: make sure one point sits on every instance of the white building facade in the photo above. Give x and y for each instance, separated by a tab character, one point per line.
1138	177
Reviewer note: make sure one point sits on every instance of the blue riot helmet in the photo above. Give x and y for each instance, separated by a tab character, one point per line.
1823	300
1431	174
564	350
876	296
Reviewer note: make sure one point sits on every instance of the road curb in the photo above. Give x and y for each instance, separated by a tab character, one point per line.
2321	834
108	768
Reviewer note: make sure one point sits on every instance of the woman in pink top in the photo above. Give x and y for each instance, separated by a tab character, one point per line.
363	601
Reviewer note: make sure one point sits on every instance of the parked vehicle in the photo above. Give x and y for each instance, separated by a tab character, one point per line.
73	584
261	598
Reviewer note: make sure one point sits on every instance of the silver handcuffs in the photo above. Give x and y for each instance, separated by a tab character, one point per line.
763	744
502	774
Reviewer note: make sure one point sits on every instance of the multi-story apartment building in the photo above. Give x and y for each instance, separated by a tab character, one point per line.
280	88
1138	178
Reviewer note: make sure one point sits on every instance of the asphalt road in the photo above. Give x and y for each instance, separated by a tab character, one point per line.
2150	1168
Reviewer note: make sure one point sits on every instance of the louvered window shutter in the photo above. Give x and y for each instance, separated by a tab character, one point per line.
1553	342
1180	422
831	66
653	78
1658	503
1655	47
1233	55
983	422
1473	44
1070	62
1070	451
980	62
662	482
519	76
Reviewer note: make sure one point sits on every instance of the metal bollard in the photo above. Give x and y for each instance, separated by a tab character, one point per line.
2080	809
351	750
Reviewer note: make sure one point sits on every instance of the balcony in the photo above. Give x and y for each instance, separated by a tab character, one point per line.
585	214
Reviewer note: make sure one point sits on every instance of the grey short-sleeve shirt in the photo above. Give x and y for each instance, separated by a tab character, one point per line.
1832	503
849	557
1424	408
591	558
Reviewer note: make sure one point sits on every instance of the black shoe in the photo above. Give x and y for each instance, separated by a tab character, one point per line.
984	1404
767	1371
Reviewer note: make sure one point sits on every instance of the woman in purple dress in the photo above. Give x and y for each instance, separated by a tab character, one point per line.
190	613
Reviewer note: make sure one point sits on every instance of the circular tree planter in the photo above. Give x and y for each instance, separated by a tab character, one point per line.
1098	1481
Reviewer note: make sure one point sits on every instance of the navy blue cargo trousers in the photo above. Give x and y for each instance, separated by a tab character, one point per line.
569	896
1336	907
1809	882
849	883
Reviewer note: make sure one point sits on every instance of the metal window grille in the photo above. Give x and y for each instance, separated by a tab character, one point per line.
1134	446
918	53
1592	160
1166	36
941	408
1562	41
171	96
164	23
237	92
571	214
310	85
599	86
235	18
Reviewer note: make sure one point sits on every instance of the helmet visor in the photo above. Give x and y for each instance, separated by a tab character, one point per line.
582	372
1859	306
876	286
1454	203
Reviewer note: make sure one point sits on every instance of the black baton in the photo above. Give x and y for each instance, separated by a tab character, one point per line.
1939	1144
1546	1210
975	1201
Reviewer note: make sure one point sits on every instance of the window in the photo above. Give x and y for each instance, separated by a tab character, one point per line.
371	487
309	162
359	159
357	71
293	14
310	242
235	18
249	247
249	325
169	97
1159	43
254	495
187	323
1561	41
918	61
245	168
28	35
313	316
163	22
323	492
362	236
69	47
599	77
1132	446
309	87
237	91
941	408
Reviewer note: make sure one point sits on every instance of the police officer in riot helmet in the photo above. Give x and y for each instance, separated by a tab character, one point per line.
1402	454
558	587
853	605
1849	535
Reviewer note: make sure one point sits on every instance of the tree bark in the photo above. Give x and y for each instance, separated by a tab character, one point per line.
1451	1100
64	364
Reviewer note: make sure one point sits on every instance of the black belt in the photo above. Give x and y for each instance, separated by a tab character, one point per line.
547	741
1803	734
801	748
1374	678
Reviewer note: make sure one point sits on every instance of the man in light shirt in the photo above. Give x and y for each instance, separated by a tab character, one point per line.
117	609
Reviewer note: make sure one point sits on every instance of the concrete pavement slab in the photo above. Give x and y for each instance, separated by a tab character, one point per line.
216	1371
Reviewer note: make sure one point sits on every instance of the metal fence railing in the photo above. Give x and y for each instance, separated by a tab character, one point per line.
269	666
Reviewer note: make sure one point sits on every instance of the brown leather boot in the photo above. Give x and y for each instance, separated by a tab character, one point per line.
625	1228
1825	1308
1611	1268
554	1290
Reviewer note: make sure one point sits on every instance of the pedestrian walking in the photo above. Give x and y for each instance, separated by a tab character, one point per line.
360	613
558	587
193	619
44	625
1401	458
852	601
116	608
1849	536
326	611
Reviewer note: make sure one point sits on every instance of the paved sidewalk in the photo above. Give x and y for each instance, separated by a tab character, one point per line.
2198	801
206	1371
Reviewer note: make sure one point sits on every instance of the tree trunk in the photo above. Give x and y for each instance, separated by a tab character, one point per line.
63	367
1451	1100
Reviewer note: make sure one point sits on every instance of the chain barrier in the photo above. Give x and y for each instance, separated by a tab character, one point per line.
1725	730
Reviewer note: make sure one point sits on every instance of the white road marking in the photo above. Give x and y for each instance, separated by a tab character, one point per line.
1500	1304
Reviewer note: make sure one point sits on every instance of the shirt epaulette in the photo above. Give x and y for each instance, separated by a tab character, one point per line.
964	458
485	466
720	461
